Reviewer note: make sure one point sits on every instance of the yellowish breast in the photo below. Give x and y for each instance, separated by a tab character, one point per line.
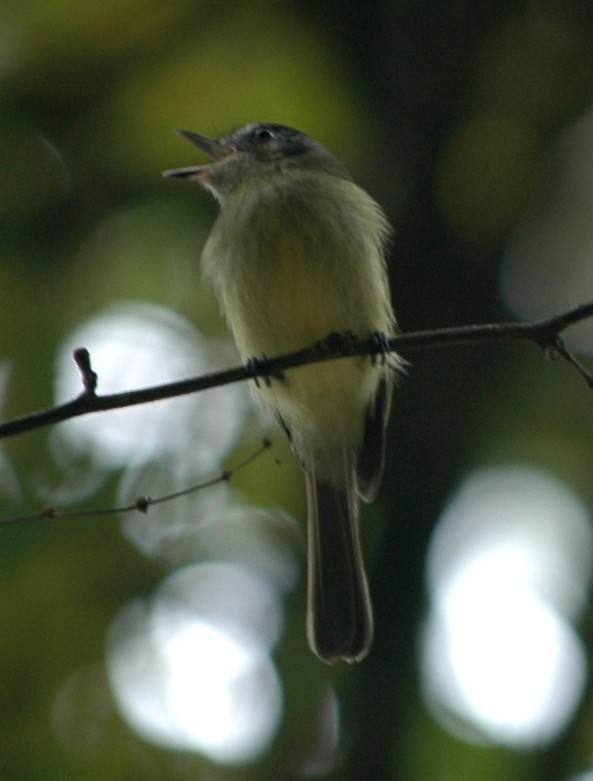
290	267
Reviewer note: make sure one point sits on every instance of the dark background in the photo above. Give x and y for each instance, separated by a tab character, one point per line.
471	124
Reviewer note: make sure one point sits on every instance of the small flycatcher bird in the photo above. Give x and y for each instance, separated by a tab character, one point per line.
297	254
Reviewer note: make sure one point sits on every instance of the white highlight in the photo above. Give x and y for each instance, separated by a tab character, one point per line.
135	345
193	672
509	564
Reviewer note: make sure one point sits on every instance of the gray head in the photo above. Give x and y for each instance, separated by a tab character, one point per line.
257	150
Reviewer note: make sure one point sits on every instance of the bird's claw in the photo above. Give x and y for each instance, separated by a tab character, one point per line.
380	341
259	368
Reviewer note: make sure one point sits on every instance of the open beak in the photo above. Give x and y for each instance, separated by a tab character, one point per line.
215	149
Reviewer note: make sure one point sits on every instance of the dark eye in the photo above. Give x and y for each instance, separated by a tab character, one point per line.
262	134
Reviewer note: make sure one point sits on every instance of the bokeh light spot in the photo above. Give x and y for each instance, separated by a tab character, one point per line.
509	568
192	670
134	345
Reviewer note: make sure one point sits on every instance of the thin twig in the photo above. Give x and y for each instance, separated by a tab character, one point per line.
143	503
559	350
543	333
82	359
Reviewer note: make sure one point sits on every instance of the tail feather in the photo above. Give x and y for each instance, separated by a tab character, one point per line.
339	615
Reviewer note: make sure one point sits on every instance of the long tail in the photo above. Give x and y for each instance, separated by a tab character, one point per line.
339	612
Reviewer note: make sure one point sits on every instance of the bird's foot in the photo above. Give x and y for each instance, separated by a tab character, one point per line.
380	342
258	369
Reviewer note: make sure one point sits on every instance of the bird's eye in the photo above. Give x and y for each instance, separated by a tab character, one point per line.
262	135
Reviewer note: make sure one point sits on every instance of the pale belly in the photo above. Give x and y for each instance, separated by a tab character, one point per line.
300	266
323	404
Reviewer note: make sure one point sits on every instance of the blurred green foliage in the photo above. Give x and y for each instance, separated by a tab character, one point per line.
449	114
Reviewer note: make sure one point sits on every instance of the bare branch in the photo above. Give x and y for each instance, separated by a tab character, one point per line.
544	333
558	350
141	504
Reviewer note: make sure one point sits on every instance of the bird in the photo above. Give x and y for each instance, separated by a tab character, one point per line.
297	255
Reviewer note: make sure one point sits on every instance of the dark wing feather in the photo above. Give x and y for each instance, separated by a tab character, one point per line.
371	455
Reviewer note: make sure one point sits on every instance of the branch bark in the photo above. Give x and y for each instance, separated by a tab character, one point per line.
544	333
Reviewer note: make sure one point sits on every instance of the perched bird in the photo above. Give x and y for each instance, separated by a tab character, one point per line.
296	254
